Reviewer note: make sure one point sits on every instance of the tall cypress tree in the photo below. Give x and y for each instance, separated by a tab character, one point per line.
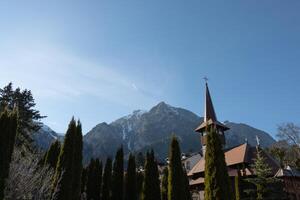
177	185
118	176
151	185
52	154
130	185
8	132
106	186
94	180
77	163
139	182
164	184
217	183
66	184
83	180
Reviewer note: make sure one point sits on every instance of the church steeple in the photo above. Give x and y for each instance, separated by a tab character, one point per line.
210	120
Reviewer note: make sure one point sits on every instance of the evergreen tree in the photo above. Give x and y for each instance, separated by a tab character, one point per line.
186	183
8	132
131	181
151	185
77	163
118	176
28	120
83	180
94	180
106	186
164	184
66	184
139	182
177	185
140	160
267	186
237	187
217	183
51	156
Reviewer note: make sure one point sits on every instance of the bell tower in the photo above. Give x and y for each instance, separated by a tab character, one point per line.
210	121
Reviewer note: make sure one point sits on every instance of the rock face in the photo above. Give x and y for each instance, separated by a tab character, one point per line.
44	137
144	130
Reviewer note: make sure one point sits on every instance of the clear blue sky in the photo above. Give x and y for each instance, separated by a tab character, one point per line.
100	60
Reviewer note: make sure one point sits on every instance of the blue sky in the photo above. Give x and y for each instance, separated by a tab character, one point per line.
100	60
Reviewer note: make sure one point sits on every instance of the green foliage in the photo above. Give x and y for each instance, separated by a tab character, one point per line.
106	187
83	180
8	132
66	184
164	184
29	117
217	183
51	156
140	159
178	188
151	185
94	180
237	187
118	176
131	180
139	182
265	183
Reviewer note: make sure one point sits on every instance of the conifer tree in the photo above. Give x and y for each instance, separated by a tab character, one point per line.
237	187
8	132
164	184
51	156
118	176
139	182
177	185
217	183
106	186
66	184
77	163
151	185
266	185
130	185
94	180
83	180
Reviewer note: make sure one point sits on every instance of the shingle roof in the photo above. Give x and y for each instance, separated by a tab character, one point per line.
243	153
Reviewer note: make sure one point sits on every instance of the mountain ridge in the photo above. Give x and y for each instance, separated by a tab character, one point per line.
142	130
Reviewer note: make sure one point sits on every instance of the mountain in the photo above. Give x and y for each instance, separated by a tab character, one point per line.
143	130
45	136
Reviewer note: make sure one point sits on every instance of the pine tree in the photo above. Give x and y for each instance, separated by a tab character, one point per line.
94	180
106	186
217	183
51	156
151	185
267	187
77	163
131	181
139	182
237	187
8	132
83	180
177	184
164	184
66	184
118	176
28	120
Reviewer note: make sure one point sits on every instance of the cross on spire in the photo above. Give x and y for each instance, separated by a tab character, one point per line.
205	79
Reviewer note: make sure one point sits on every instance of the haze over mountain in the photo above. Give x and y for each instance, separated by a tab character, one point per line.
143	130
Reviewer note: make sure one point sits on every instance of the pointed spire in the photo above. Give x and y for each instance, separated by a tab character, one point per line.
210	117
209	111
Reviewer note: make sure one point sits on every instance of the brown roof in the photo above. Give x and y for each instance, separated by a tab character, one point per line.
243	153
233	156
197	181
